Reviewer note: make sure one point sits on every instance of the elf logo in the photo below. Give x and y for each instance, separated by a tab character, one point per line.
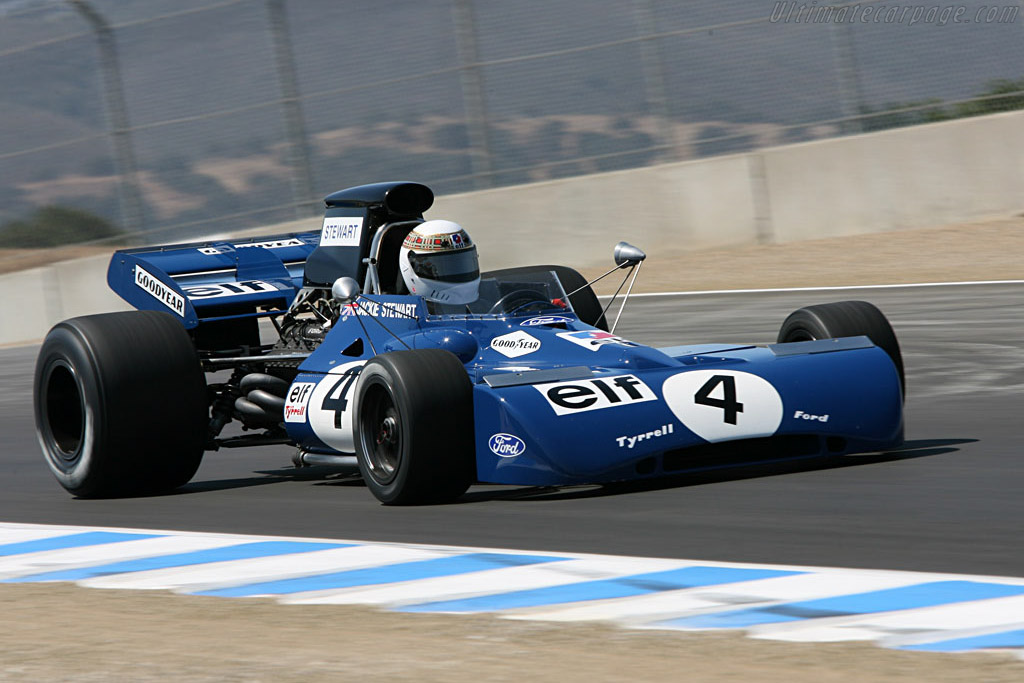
298	401
580	395
221	289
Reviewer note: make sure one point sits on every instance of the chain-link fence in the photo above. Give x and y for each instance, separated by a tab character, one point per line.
174	118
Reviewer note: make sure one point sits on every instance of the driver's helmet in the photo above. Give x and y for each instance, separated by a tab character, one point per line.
438	262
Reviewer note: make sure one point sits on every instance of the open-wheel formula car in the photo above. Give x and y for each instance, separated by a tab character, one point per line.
520	383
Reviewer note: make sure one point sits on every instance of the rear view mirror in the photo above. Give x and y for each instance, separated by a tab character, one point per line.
627	255
345	289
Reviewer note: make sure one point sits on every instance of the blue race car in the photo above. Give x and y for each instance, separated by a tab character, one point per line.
430	375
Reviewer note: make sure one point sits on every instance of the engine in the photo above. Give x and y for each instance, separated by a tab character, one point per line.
255	393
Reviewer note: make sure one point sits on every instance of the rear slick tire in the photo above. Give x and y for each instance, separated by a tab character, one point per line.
120	404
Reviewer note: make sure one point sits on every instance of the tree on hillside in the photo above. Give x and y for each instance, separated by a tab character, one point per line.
54	226
1000	95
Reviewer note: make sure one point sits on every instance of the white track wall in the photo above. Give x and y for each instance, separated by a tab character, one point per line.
32	301
890	180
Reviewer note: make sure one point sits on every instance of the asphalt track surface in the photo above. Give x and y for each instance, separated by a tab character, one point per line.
952	500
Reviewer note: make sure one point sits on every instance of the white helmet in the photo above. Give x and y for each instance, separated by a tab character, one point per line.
439	262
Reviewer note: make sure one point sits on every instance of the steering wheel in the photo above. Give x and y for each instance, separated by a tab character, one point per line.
519	298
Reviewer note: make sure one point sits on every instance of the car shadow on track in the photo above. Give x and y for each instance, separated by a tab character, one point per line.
921	448
349	477
319	475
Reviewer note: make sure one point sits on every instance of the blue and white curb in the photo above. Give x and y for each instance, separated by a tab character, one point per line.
904	610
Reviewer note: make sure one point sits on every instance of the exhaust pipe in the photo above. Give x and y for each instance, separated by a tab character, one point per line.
263	402
259	380
274	405
253	414
306	459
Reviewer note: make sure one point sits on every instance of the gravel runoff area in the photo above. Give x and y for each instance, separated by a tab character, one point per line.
964	252
979	250
61	632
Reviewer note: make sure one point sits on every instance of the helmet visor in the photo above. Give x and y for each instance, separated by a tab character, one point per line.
446	266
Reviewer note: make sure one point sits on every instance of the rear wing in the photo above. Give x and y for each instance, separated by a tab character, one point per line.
216	280
225	281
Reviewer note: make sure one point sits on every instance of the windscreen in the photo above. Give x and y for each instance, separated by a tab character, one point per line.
514	294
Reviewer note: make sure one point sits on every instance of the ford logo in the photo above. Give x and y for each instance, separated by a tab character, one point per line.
546	320
506	445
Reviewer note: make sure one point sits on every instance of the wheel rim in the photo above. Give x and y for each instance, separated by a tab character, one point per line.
63	412
381	434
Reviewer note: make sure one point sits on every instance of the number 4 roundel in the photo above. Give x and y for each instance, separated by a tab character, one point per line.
330	406
719	405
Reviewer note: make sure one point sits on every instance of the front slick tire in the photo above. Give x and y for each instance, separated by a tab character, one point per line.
413	422
844	319
120	404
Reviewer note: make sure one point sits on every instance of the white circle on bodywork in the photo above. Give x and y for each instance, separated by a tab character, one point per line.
722	405
330	406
